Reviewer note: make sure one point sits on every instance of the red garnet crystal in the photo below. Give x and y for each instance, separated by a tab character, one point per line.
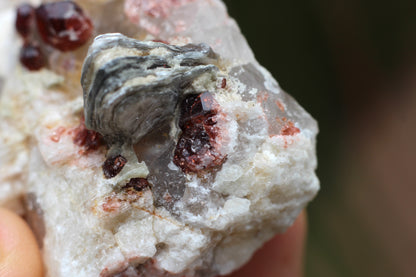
112	166
196	147
31	57
88	139
24	19
63	25
138	184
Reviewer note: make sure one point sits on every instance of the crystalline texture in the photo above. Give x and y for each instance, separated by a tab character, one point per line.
63	25
24	19
227	162
31	56
195	150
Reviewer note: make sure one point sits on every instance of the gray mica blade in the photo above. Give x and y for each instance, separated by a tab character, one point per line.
130	86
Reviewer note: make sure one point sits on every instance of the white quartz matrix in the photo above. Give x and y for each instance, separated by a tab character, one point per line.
90	226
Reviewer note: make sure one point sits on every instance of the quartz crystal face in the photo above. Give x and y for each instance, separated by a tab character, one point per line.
177	155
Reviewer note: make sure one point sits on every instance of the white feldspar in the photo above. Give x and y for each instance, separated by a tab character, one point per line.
214	225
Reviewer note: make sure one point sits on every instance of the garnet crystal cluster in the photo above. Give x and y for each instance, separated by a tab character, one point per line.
196	148
61	25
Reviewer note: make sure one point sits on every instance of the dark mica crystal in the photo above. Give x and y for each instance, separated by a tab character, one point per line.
63	25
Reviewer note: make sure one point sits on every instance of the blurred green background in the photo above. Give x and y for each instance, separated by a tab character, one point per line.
352	65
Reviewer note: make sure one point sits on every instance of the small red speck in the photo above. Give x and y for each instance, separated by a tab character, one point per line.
56	134
280	105
196	149
160	40
289	130
111	204
223	83
262	97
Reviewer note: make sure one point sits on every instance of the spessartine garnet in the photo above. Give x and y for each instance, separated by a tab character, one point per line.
137	184
24	19
195	150
63	25
31	56
113	166
88	139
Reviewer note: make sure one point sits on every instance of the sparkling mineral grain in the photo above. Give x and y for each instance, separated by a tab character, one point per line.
188	157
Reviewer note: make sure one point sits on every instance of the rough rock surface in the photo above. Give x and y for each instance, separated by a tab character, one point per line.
155	216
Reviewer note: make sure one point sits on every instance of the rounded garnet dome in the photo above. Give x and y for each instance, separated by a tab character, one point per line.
63	25
24	19
31	56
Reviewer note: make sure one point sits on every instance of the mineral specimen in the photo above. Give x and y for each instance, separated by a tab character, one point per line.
63	25
197	147
182	157
24	19
132	86
31	56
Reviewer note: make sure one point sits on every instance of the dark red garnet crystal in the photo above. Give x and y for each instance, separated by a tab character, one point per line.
138	184
63	25
24	19
88	139
196	147
112	166
31	56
